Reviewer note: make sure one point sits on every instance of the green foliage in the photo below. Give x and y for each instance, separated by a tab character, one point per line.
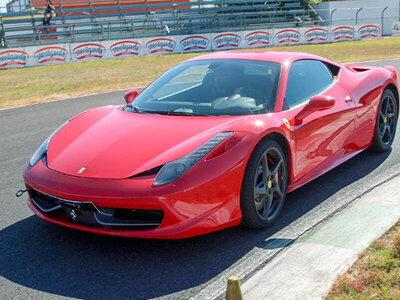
397	244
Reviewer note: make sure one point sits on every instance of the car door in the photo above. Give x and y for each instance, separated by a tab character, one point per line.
322	138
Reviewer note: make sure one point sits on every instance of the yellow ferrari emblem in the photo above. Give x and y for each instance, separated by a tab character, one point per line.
286	122
269	184
81	170
385	120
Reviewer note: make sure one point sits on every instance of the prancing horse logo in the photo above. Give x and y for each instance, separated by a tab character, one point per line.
81	170
73	215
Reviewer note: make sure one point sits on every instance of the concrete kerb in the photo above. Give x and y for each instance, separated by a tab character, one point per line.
308	268
216	289
309	246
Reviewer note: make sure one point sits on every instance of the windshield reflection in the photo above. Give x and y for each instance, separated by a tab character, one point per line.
212	88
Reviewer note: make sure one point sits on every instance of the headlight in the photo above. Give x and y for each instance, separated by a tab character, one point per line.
42	150
174	169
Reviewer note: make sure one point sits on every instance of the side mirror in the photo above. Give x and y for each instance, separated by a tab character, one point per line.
130	96
316	103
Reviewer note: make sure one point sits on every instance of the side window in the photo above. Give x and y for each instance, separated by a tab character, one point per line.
306	78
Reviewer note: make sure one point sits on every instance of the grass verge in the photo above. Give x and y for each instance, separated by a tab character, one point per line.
376	273
44	83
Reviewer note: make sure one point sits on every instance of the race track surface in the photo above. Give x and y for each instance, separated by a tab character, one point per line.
42	260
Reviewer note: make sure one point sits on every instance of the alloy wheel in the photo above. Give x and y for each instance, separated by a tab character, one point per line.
269	183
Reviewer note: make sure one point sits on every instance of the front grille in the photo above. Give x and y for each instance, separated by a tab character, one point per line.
87	214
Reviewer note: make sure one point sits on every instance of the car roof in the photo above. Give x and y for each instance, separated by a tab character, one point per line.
271	56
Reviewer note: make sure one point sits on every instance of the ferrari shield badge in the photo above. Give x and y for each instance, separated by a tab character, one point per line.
286	122
81	170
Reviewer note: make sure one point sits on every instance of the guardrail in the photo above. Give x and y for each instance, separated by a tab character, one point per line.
122	20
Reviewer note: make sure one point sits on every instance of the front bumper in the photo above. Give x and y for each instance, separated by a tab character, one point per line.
205	199
88	214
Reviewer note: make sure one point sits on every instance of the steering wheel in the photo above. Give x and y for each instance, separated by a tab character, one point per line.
258	97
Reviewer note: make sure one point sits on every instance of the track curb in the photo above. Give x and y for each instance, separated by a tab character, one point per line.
281	240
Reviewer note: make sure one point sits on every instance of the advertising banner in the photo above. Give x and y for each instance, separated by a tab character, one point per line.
342	33
193	43
87	51
44	55
64	53
226	40
258	38
159	45
370	31
123	48
315	35
288	36
396	28
13	58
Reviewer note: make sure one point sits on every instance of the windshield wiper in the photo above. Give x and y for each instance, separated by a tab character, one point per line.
174	113
134	108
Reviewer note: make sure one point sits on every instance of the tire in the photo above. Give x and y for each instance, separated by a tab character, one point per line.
386	122
263	193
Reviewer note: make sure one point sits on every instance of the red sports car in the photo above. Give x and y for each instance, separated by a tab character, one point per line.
216	141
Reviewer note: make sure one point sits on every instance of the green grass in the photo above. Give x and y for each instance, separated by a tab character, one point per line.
376	273
44	83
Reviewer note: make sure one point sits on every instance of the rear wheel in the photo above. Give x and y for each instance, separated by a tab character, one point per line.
386	122
264	185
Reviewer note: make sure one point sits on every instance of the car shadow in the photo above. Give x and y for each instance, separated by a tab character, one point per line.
61	261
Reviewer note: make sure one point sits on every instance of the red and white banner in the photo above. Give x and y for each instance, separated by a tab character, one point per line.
194	43
315	35
287	36
13	58
164	45
227	40
125	48
368	31
88	51
396	28
50	55
65	53
258	38
342	33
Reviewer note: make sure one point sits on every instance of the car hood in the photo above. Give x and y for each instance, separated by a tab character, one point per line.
110	143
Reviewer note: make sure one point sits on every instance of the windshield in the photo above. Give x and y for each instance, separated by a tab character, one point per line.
212	87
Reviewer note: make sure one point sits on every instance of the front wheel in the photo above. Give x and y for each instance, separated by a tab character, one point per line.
386	122
264	185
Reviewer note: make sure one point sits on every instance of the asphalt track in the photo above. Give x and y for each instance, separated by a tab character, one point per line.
42	260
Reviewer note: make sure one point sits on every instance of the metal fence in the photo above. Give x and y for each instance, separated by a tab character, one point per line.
120	21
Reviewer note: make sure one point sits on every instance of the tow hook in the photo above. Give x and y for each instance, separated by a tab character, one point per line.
21	192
